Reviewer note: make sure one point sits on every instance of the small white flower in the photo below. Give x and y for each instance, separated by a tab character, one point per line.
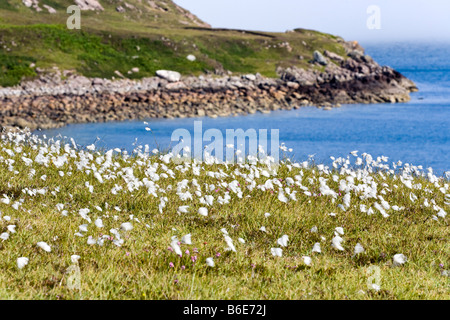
339	230
263	229
11	228
74	258
241	240
266	214
4	236
183	209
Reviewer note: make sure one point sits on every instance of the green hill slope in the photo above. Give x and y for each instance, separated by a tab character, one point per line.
148	35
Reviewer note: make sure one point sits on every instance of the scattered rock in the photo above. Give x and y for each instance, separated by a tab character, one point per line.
93	5
250	77
319	58
191	57
172	76
117	72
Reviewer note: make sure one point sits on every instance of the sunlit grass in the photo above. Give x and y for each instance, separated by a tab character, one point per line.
141	268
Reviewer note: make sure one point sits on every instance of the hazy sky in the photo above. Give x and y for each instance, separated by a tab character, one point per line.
398	19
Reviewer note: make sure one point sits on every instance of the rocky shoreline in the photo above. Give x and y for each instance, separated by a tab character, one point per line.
50	102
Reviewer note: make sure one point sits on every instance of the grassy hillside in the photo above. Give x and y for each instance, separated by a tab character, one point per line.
145	37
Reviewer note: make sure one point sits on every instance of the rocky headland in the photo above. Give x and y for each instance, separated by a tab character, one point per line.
331	80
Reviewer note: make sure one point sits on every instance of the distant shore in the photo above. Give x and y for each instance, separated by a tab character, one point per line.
50	102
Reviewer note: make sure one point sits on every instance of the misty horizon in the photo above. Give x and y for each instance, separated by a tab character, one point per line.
399	21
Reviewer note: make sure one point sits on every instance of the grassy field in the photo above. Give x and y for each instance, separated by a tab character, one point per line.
108	221
110	41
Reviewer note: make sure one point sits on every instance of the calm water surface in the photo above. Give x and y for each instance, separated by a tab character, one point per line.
417	132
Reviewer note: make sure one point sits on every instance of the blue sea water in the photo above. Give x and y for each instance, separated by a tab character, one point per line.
417	132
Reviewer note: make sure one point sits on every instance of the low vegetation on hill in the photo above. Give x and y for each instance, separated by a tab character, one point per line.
146	36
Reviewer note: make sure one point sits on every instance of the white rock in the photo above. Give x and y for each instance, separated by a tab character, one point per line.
191	57
171	76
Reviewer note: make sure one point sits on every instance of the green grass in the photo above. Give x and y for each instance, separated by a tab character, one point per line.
140	269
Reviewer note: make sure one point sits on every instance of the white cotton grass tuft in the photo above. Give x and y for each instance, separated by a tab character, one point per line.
44	246
126	226
186	239
4	236
183	209
336	243
283	241
174	245
230	244
210	262
203	211
263	229
316	248
74	258
339	230
358	249
83	228
22	262
399	259
307	260
277	252
99	223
